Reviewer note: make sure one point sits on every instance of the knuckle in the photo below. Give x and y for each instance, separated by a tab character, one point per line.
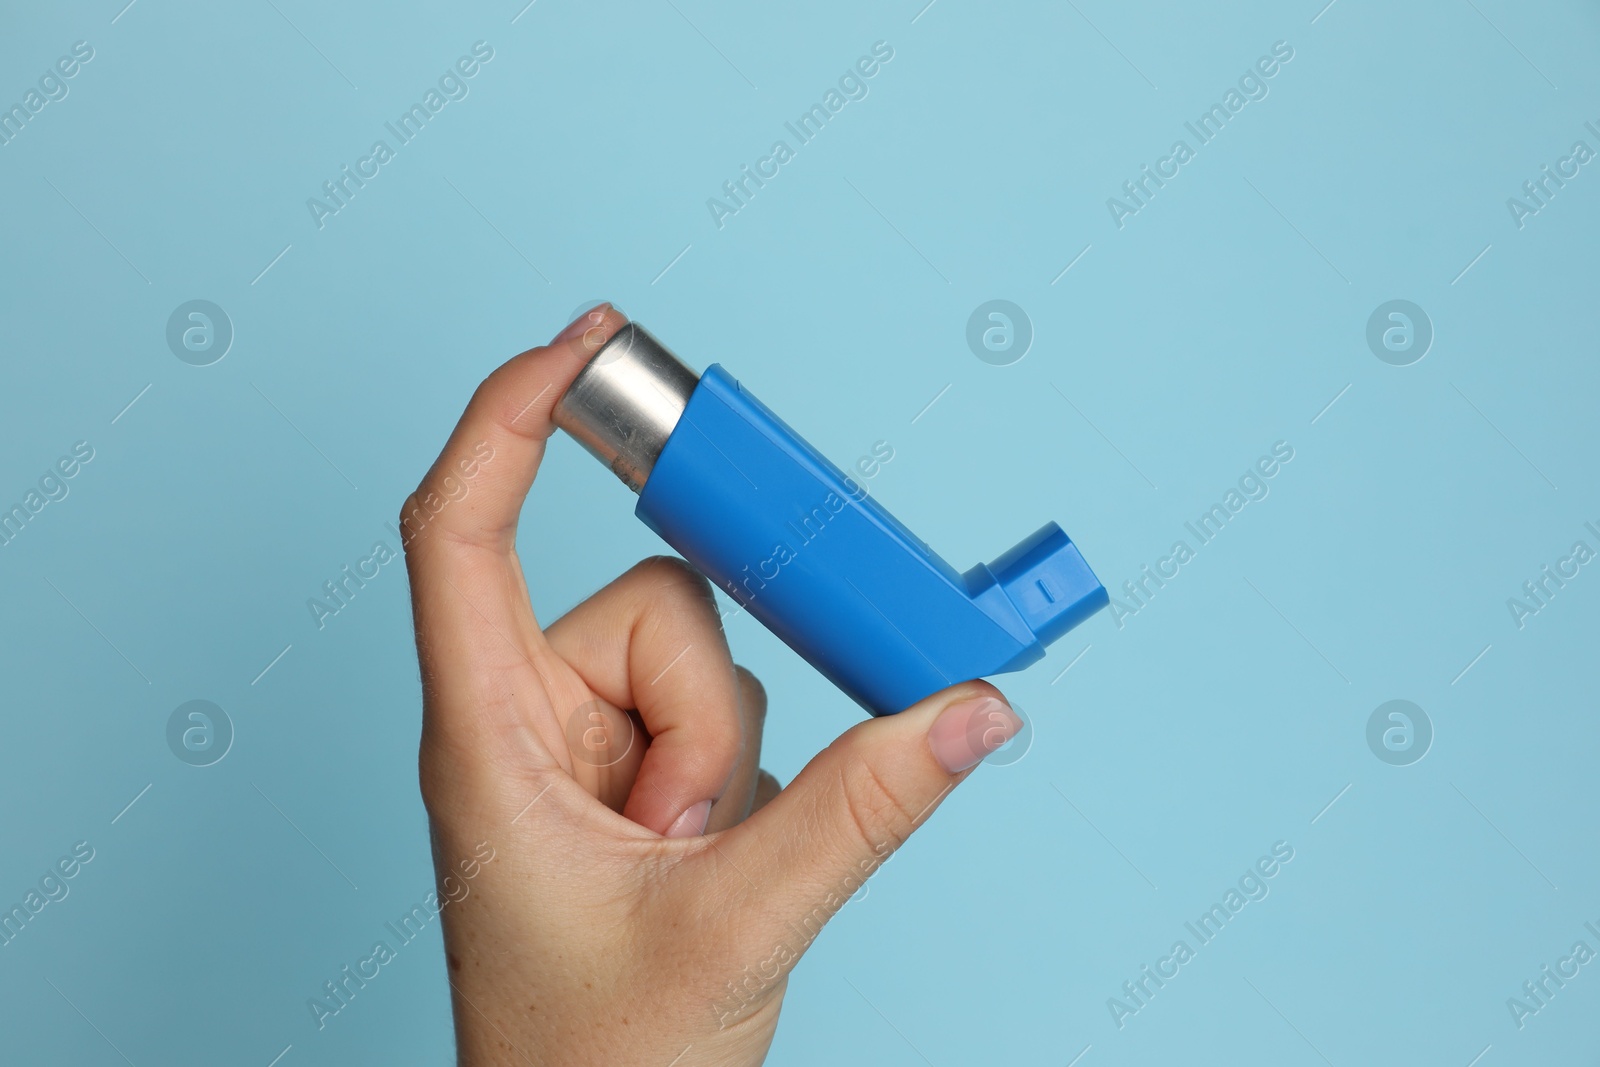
876	811
502	398
414	518
752	694
723	763
431	784
731	742
436	774
674	573
410	507
714	750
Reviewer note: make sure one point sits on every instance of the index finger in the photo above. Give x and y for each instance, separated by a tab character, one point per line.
479	646
500	438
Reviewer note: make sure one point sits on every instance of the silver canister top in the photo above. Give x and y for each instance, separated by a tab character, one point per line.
626	402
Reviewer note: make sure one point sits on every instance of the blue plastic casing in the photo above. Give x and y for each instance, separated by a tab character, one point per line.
803	548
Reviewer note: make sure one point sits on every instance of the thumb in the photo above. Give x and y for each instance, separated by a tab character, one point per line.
819	839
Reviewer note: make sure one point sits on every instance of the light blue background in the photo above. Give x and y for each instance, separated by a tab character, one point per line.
1222	318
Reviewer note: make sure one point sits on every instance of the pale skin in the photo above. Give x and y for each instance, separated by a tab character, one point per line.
651	888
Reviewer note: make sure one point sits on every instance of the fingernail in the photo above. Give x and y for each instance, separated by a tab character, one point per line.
578	325
965	733
692	823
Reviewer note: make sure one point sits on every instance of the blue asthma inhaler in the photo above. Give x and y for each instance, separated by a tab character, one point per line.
802	547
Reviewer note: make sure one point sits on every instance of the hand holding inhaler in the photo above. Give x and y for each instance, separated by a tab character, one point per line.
652	888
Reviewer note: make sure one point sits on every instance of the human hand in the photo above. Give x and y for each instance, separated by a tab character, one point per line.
651	888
